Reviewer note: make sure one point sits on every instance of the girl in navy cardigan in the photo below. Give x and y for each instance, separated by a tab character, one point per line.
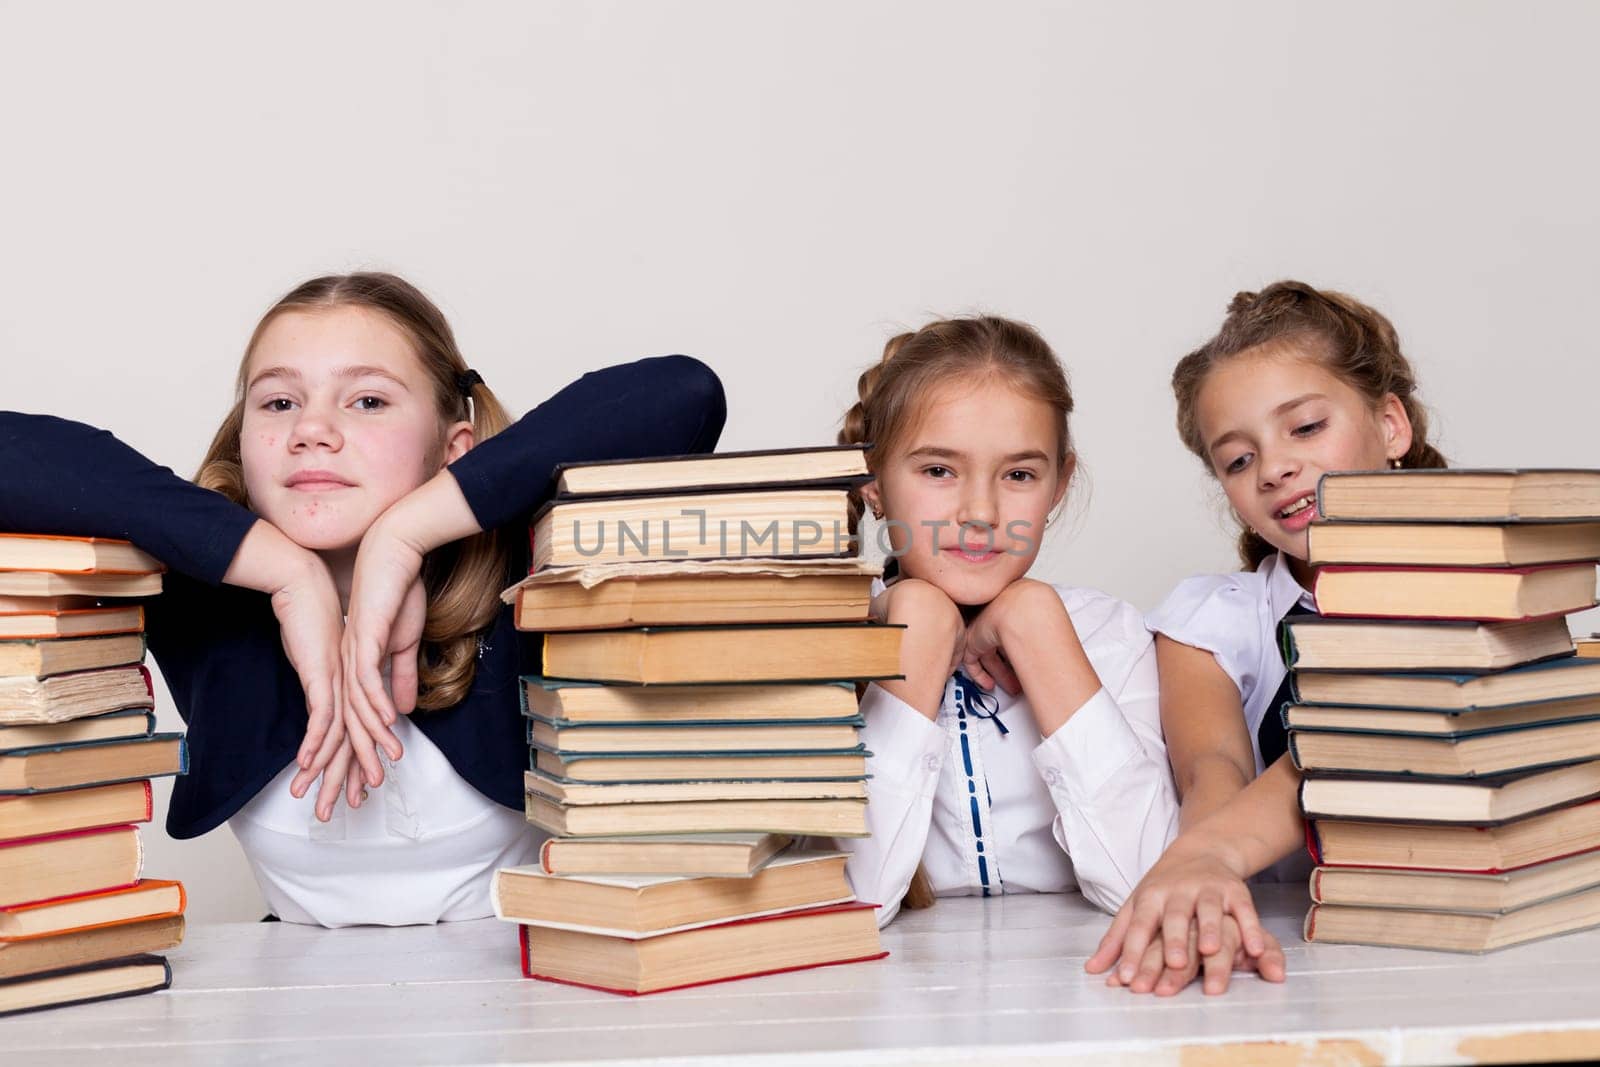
367	482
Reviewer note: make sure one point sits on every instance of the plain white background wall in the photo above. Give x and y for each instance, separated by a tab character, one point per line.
778	187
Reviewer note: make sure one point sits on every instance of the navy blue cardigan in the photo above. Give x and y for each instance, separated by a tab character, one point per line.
218	646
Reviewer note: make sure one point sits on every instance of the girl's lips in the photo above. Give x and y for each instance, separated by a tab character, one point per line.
974	556
1299	520
319	486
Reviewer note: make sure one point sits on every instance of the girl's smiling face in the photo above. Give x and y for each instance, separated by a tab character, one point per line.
966	497
340	422
1274	420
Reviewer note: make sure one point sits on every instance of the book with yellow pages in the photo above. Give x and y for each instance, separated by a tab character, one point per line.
783	523
738	948
84	984
828	464
821	818
702	654
640	905
700	766
74	555
33	658
693	737
707	855
1461	494
1452	931
1440	544
576	703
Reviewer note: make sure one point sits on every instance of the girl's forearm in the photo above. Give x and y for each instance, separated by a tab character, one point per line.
1258	827
1213	780
1043	648
267	560
433	514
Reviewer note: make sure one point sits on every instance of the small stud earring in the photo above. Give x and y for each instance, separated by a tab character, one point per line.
1395	463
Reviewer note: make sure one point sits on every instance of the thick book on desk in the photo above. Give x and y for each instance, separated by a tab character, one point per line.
1558	679
113	725
1492	752
1549	835
783	523
85	984
1478	801
51	814
1486	593
69	864
43	620
791	941
144	900
677	737
578	703
828	594
74	696
89	946
89	763
830	464
76	555
1424	722
1461	494
707	855
51	584
816	818
1312	642
647	906
59	655
747	654
587	794
1452	931
1504	891
49	605
1444	545
602	767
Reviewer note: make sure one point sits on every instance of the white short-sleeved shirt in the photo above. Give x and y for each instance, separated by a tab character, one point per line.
1235	617
1091	806
423	848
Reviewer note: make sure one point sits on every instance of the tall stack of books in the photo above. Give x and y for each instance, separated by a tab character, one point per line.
78	748
704	620
1449	737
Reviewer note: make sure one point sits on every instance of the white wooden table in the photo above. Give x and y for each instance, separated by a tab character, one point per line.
968	981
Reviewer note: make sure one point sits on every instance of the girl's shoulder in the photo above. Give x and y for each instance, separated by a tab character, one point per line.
1235	613
1101	617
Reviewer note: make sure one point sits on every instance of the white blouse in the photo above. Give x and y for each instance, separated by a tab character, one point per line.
422	848
1092	806
1235	617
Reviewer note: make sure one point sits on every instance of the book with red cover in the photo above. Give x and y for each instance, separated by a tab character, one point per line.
699	935
42	815
38	869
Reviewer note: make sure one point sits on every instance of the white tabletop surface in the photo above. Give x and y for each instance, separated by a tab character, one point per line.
970	981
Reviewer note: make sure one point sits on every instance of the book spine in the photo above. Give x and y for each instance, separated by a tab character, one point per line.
1313	842
1294	747
1316	886
149	796
522	940
1310	930
544	856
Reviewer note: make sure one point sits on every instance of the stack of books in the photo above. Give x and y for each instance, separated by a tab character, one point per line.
1448	734
78	748
704	621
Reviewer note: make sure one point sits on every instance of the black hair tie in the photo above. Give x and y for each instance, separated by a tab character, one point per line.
466	380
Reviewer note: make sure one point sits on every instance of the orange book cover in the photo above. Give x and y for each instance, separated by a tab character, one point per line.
52	918
74	555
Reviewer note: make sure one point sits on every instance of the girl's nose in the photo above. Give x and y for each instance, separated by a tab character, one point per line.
1276	470
977	509
315	428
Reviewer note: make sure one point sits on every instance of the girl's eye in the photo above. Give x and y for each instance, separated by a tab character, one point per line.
1237	465
278	404
938	472
1020	476
1310	428
371	403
